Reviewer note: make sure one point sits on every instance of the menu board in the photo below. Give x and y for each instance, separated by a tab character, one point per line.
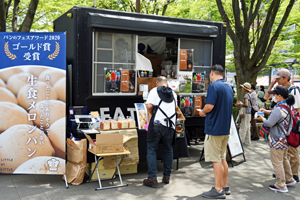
112	80
198	104
186	60
141	112
127	80
234	142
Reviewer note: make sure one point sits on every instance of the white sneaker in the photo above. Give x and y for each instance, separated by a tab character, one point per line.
291	183
272	187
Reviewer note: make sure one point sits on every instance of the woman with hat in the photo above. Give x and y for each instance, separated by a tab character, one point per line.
280	125
245	125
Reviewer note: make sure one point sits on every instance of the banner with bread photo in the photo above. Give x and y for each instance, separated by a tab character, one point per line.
32	103
142	115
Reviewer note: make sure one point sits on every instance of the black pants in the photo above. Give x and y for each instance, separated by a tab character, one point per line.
254	132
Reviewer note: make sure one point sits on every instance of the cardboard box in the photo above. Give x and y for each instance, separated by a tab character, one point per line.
106	143
131	143
104	173
128	169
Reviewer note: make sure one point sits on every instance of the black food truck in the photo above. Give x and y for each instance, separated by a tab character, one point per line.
107	71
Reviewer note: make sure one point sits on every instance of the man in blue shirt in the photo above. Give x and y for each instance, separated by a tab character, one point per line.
217	112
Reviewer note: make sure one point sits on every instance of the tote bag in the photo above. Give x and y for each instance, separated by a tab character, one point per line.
242	112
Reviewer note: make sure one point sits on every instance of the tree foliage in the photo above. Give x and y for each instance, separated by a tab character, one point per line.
253	26
12	11
38	15
158	7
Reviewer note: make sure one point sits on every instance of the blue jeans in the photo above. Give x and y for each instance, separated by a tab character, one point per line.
166	134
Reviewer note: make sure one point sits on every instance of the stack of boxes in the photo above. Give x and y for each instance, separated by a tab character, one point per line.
112	141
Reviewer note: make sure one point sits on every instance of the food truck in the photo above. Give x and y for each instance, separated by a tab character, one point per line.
108	56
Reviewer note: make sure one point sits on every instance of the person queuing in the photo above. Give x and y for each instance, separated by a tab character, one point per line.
283	77
245	121
217	112
254	104
161	103
279	122
260	96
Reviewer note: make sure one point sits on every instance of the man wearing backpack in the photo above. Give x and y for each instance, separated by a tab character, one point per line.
161	105
283	77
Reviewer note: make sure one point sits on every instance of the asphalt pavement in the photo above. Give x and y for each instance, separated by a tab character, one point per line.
248	180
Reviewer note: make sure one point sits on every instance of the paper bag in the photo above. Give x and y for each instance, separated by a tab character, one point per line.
75	173
76	161
77	151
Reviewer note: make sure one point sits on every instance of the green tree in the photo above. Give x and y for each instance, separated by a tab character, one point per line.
10	11
158	7
253	26
48	11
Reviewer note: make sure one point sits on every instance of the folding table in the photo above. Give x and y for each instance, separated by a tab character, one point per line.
100	156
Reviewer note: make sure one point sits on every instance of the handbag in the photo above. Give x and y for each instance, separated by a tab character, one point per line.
242	112
264	132
253	111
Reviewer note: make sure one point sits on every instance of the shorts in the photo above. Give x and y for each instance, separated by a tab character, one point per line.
215	148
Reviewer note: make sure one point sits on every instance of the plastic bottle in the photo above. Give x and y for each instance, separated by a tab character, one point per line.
150	74
145	74
182	102
198	78
113	77
142	74
194	78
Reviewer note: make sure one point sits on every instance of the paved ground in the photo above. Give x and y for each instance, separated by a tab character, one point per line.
248	180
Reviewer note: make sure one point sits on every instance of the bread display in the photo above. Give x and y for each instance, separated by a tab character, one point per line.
105	125
42	165
131	123
18	144
12	114
57	139
41	89
114	124
6	95
123	124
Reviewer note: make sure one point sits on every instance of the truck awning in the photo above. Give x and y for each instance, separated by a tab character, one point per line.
150	25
